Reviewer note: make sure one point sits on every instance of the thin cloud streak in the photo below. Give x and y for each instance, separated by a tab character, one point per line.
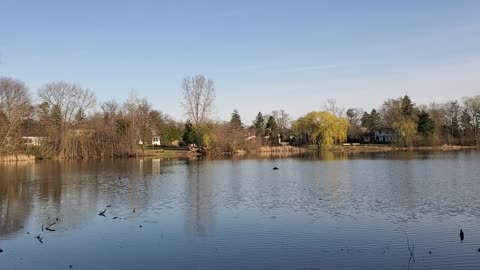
277	68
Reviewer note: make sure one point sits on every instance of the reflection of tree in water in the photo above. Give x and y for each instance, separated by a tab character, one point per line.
15	199
200	203
67	190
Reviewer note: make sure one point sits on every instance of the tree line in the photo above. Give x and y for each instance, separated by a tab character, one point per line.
452	122
72	124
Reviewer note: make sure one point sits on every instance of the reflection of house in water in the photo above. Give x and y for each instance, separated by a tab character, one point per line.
156	166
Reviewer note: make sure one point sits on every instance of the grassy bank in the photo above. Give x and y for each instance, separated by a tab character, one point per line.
166	151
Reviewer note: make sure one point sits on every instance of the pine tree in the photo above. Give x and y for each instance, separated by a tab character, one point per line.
188	133
407	107
466	122
375	119
426	125
366	120
272	124
259	124
236	121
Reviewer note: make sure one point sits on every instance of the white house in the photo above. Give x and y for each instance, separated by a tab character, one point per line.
380	135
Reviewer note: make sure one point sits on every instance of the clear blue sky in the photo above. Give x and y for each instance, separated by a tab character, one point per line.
262	55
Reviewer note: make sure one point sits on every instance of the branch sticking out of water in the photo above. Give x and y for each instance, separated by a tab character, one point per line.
102	213
411	249
39	238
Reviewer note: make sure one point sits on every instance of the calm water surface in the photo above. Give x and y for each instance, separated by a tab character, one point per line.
330	211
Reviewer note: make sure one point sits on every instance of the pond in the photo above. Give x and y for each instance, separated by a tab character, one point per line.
324	211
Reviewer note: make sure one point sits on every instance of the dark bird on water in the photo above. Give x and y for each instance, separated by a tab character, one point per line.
134	210
462	236
1	250
275	168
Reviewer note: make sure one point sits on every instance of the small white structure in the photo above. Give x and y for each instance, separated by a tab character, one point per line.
155	141
33	141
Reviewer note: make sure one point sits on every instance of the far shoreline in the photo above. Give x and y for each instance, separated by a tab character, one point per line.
273	152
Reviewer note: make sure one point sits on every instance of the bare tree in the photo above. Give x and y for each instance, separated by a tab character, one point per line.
198	97
69	98
110	109
331	106
283	120
143	122
14	105
472	104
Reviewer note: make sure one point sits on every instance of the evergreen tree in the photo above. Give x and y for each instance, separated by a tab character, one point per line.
371	120
466	122
407	107
366	120
259	124
236	121
188	133
375	119
426	126
272	124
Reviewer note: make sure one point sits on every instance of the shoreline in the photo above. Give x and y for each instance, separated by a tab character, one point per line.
389	148
266	151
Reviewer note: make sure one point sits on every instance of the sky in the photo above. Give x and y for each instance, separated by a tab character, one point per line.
262	55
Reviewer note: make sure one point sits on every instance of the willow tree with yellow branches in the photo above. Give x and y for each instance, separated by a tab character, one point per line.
324	128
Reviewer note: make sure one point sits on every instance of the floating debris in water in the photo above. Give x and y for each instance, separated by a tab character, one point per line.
109	205
478	250
39	238
275	168
102	213
1	250
115	217
140	226
42	227
71	266
48	227
134	210
462	235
